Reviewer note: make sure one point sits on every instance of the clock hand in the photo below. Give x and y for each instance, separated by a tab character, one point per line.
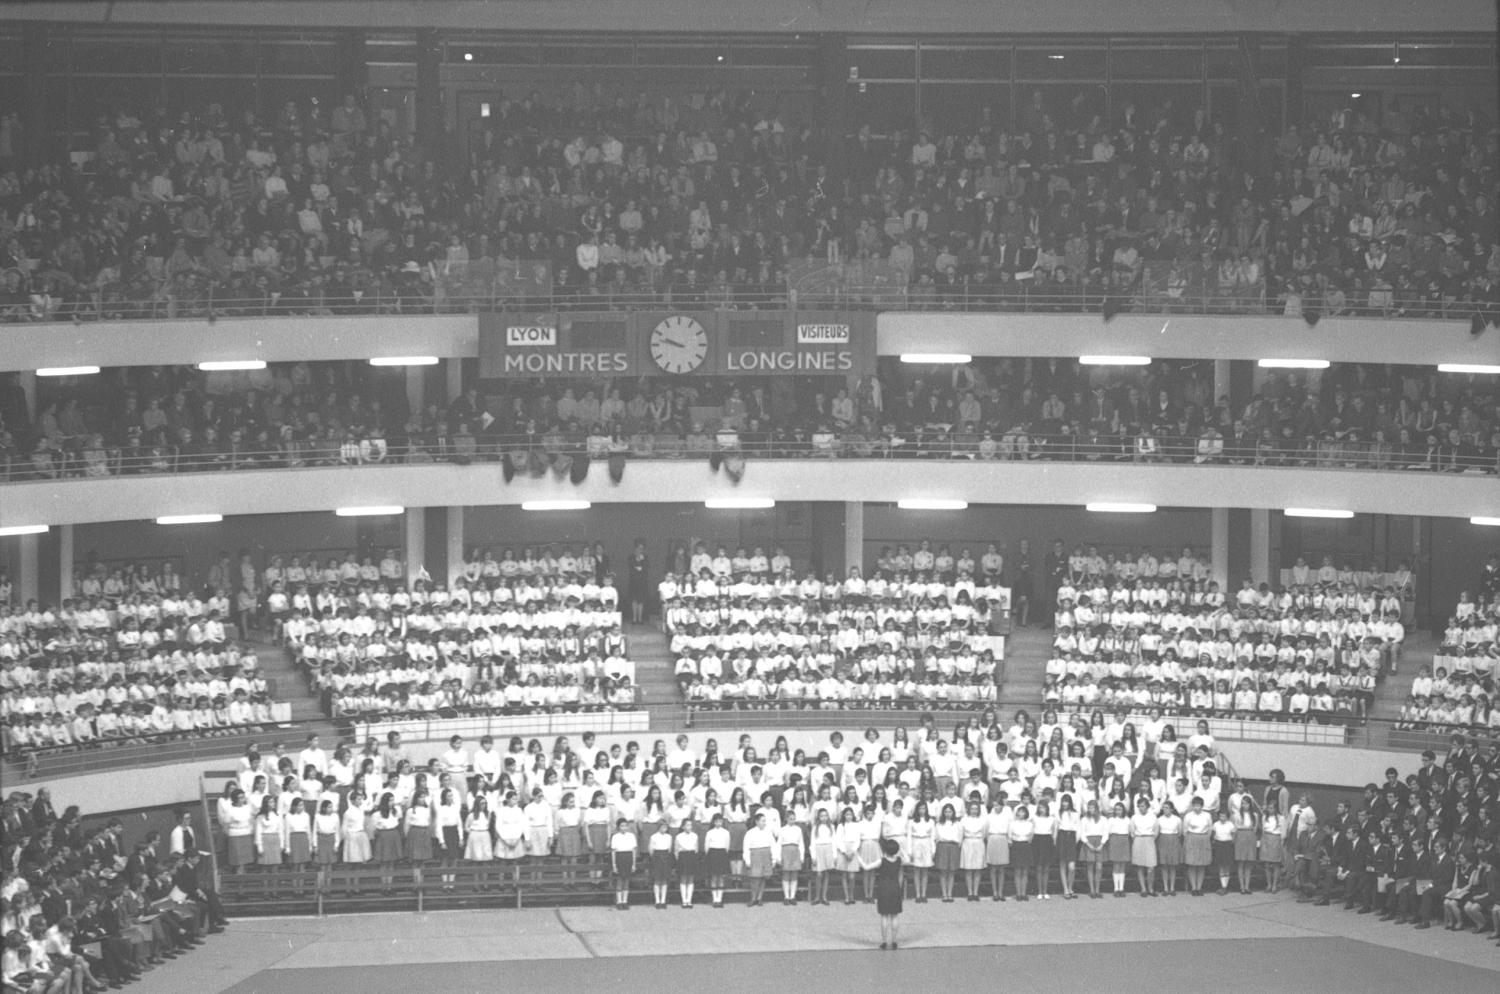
672	342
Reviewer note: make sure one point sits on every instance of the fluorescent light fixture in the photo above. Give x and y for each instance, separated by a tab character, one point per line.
231	365
404	360
1483	369
1293	363
937	358
372	509
554	505
1354	96
1119	507
484	110
1482	519
189	519
1057	58
10	530
931	504
738	503
1115	360
1317	512
67	371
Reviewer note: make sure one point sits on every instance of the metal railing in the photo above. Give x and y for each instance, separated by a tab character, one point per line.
193	299
74	459
1371	733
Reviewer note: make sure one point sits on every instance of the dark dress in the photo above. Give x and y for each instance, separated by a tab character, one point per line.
890	887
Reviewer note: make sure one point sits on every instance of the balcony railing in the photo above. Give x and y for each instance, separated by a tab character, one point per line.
73	458
189	299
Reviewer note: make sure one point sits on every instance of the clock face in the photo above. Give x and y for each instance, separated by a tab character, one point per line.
679	344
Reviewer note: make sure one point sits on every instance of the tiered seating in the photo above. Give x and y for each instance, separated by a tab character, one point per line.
534	634
1313	651
132	659
1458	693
746	633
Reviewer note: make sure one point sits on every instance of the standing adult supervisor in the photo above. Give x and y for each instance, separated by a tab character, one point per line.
890	891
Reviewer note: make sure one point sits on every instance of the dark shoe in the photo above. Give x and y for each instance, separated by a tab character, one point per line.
1424	924
885	945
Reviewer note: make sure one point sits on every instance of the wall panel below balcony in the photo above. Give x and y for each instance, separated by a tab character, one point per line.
151	343
664	481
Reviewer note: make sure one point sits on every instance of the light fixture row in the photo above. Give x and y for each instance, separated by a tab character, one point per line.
732	503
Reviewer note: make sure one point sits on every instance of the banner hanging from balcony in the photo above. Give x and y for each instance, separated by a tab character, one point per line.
676	343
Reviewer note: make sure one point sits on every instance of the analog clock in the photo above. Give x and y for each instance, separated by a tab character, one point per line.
679	344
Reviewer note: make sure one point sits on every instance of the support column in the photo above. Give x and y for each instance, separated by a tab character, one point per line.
1260	545
64	562
414	548
34	123
455	544
28	583
26	380
416	389
1219	547
454	369
1223	387
353	68
854	535
429	88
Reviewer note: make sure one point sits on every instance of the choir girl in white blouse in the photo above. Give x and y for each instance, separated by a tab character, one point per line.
997	845
921	846
971	849
823	854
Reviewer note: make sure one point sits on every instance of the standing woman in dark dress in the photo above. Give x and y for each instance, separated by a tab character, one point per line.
890	888
638	583
1021	589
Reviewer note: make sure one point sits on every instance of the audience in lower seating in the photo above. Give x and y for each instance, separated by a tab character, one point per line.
133	657
744	632
1457	693
541	632
1129	636
78	912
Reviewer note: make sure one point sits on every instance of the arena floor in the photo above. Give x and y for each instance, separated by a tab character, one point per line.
1229	944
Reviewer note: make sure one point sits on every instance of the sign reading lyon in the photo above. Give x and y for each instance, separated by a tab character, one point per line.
530	336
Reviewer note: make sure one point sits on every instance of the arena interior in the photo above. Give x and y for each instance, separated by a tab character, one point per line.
547	494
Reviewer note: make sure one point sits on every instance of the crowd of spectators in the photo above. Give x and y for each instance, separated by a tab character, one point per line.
712	198
1418	849
136	655
165	419
541	632
1457	693
79	910
1127	636
744	632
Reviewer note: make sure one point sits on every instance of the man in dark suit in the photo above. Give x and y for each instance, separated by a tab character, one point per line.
189	881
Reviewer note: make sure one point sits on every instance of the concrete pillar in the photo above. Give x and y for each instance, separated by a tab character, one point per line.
1219	546
26	380
34	123
1222	385
416	389
455	543
1260	545
454	369
429	87
27	579
414	551
64	562
854	535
